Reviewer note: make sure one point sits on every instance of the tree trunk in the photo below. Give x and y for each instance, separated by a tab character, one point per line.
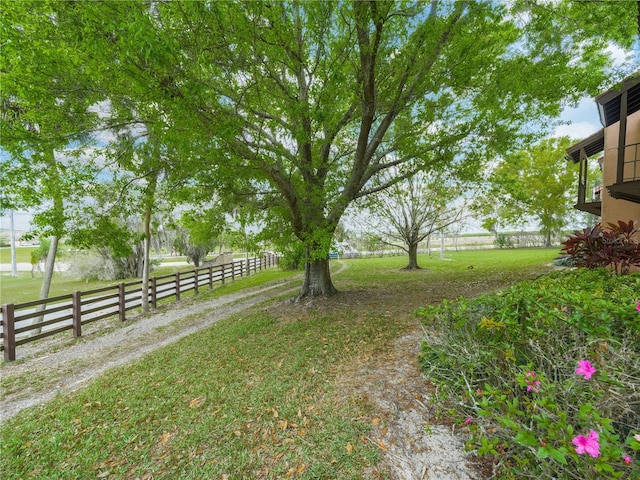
146	270
413	257
46	282
14	261
317	280
547	240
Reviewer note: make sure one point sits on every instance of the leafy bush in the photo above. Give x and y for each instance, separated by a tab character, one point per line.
510	363
613	247
503	241
293	257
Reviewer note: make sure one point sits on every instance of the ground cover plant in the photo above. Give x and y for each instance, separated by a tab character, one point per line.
255	396
545	374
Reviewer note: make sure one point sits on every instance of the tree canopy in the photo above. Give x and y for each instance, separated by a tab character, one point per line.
535	184
302	106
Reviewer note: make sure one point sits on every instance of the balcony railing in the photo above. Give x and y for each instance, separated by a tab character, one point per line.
627	186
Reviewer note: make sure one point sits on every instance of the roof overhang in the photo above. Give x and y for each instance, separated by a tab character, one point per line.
609	101
591	145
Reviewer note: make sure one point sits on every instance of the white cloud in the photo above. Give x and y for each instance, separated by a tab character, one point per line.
577	130
619	55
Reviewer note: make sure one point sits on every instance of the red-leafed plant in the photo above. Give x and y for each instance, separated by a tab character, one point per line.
613	246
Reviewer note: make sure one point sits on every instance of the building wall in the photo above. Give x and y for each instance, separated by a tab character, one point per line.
614	209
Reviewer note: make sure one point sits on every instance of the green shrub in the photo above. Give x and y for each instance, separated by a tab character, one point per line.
293	257
613	246
508	361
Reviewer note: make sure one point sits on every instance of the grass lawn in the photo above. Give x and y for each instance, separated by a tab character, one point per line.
23	254
255	396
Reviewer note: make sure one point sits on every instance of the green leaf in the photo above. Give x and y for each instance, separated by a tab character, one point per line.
507	422
558	456
542	452
526	438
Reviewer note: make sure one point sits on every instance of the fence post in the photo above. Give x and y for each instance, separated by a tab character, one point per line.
233	271
121	302
196	279
177	286
222	274
210	277
9	331
154	292
77	313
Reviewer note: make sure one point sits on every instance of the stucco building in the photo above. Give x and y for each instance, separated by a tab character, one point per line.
609	181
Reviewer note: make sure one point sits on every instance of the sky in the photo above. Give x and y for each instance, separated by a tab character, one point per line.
583	118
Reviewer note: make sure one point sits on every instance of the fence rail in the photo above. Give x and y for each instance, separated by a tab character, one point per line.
26	322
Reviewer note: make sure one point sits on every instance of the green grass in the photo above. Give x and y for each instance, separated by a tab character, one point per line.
23	254
459	266
254	396
251	393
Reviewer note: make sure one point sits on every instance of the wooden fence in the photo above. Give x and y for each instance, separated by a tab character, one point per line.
26	322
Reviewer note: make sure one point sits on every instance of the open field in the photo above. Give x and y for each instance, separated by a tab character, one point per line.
283	391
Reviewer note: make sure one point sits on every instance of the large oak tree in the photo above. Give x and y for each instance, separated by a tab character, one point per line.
304	104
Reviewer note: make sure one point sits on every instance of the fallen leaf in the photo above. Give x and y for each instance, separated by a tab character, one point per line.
376	421
195	402
349	448
382	445
165	437
301	468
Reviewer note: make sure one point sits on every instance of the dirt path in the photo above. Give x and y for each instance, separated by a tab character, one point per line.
58	365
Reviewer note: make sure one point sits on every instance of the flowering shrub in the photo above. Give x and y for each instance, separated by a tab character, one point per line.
548	370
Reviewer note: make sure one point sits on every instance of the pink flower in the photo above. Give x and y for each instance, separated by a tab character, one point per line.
468	421
532	382
589	445
479	392
585	369
638	306
627	459
636	438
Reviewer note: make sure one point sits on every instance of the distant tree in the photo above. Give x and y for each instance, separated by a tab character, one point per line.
536	184
405	214
198	233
